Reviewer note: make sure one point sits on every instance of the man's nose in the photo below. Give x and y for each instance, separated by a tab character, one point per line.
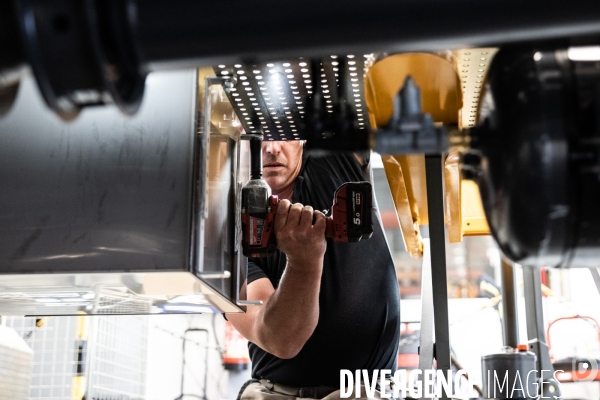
271	146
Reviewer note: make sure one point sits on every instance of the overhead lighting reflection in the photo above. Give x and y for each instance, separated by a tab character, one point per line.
584	53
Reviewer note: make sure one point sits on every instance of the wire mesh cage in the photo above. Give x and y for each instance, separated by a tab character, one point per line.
88	358
16	361
114	302
118	354
54	357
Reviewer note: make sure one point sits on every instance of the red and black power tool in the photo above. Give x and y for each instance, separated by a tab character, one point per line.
350	219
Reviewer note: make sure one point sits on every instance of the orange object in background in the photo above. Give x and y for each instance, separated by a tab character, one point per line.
235	356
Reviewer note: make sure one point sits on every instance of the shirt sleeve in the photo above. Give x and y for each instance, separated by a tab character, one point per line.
255	271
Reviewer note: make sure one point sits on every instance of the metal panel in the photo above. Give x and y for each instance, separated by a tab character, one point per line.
105	192
99	216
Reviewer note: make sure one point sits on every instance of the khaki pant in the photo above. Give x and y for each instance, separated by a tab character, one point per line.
265	390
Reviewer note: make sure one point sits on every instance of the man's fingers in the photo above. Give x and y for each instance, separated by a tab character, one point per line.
306	216
282	214
319	224
293	218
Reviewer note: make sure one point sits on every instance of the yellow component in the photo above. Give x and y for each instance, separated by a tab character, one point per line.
408	212
472	66
406	177
81	335
78	387
453	213
82	326
435	76
473	216
441	96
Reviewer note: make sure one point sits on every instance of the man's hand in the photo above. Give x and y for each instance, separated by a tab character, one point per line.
290	313
302	241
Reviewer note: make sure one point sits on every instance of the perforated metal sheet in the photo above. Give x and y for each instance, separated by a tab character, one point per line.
271	98
472	66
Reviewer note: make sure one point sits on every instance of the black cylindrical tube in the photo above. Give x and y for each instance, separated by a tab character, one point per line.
255	158
510	321
187	31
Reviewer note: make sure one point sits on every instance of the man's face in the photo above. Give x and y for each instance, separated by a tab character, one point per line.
282	161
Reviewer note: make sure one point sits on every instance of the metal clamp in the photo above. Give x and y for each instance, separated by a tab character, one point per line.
410	130
203	174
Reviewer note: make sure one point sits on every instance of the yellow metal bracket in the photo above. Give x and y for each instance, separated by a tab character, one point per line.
443	92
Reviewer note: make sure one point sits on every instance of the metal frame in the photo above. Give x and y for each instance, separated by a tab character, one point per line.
510	323
167	34
534	312
202	187
434	281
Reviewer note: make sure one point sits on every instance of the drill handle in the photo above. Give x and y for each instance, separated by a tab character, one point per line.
330	229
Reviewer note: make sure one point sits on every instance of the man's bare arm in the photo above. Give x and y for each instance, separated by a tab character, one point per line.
289	313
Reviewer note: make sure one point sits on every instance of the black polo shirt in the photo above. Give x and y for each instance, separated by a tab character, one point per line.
359	302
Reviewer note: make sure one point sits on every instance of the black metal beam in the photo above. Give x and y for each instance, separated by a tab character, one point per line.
189	30
192	33
106	48
426	340
437	236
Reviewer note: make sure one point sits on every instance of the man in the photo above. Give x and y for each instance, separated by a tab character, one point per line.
326	306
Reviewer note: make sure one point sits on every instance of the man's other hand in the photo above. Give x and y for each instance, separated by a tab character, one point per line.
300	233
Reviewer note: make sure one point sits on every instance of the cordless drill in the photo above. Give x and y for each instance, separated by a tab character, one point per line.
350	219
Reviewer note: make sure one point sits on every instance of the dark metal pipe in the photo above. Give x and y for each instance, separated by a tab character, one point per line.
188	30
510	322
104	49
435	207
